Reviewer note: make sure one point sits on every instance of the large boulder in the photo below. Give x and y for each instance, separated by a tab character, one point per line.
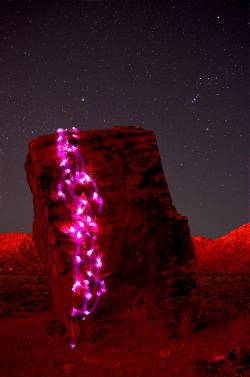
149	265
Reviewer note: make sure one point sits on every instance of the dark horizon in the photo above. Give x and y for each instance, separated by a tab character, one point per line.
181	70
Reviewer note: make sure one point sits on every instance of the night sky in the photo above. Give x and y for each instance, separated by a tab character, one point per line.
179	68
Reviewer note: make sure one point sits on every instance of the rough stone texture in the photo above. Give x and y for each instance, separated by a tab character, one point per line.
24	282
224	266
150	267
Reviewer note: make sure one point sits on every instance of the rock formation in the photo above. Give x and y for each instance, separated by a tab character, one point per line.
149	265
229	253
224	267
23	279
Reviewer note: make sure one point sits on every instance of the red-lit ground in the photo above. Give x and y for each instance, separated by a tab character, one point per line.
28	350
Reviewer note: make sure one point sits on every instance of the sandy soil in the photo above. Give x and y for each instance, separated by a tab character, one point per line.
31	347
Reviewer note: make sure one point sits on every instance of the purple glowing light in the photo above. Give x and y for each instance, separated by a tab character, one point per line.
79	235
78	259
88	296
76	285
98	262
63	162
79	211
74	312
83	229
61	194
95	196
90	252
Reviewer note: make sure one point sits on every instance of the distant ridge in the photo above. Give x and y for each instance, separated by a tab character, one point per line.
229	253
18	252
14	240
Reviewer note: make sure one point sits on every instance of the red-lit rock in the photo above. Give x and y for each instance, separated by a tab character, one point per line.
229	253
224	266
23	279
149	265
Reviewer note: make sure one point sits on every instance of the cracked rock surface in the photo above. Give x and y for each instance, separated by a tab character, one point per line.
149	262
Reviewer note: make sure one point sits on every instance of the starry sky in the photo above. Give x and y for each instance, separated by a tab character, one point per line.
179	68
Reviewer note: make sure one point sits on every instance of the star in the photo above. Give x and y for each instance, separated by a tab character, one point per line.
195	98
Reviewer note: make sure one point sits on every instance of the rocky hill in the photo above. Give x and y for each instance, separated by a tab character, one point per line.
17	252
229	253
23	279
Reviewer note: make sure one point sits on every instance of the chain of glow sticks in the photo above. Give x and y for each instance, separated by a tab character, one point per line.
80	194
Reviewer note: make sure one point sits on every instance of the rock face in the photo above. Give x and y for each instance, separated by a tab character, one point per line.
149	265
23	279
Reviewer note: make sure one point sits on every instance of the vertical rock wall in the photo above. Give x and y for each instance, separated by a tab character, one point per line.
149	264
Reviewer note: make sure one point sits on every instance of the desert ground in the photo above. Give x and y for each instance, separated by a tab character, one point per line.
32	343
